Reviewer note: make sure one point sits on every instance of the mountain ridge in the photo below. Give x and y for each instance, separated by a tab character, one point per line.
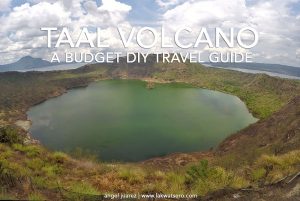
273	68
26	62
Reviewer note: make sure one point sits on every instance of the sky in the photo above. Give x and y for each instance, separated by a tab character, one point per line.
277	22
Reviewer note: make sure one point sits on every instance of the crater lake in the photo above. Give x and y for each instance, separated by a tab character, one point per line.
123	120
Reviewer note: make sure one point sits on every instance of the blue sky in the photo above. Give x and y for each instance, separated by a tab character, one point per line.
277	21
143	12
295	7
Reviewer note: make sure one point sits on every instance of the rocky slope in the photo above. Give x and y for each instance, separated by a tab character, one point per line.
277	134
254	158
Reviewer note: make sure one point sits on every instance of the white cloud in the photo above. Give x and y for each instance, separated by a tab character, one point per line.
168	3
115	6
298	53
20	32
226	49
5	5
109	13
207	13
20	29
278	28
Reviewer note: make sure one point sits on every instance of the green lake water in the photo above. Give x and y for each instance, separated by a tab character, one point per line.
122	120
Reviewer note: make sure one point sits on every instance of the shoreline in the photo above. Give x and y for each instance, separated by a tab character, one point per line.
63	81
173	157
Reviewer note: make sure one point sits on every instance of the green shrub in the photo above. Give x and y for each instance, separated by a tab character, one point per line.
83	188
80	192
29	150
39	182
11	173
35	164
16	169
3	165
280	161
258	174
202	179
132	175
217	179
197	172
239	182
159	174
36	197
59	157
279	166
51	170
18	147
5	153
175	183
4	195
10	135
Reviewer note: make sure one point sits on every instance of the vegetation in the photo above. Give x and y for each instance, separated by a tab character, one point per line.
10	135
47	175
271	168
257	156
263	94
204	179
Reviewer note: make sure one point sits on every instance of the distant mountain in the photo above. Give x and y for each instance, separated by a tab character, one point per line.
24	63
274	68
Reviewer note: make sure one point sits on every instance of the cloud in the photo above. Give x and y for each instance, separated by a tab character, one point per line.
168	3
207	13
5	5
298	53
20	32
114	6
226	49
109	13
278	28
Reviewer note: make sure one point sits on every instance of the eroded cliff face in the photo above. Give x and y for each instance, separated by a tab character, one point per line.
277	134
